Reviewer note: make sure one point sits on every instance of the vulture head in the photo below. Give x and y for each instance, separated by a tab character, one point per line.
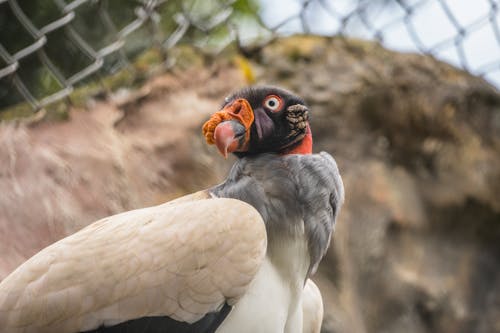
260	119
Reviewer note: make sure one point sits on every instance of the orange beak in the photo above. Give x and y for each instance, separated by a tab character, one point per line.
229	129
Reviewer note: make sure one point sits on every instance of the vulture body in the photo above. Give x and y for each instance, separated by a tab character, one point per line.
233	258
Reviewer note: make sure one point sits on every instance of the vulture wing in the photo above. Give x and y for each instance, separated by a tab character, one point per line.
184	260
312	308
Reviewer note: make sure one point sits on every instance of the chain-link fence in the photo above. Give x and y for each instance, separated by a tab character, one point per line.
50	48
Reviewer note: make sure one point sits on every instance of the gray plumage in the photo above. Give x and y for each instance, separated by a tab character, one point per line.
293	193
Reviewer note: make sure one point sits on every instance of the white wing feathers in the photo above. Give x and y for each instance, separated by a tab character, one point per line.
180	259
312	308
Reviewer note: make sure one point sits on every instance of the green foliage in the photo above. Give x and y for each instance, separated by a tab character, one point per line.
98	23
246	7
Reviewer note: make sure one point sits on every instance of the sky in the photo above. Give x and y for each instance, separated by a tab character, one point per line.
480	47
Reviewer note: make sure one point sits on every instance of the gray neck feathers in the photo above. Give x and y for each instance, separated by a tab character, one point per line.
296	195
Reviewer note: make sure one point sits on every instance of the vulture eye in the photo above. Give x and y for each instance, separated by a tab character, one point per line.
273	103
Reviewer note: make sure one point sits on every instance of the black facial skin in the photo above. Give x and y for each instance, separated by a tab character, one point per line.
275	137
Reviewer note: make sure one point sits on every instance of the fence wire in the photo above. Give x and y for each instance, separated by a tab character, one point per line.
47	48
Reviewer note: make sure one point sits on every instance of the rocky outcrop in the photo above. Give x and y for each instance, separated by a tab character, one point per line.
417	247
116	155
418	143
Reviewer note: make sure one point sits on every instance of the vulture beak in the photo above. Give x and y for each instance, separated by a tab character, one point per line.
229	136
229	129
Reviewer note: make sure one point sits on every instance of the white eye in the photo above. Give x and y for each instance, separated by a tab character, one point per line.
273	103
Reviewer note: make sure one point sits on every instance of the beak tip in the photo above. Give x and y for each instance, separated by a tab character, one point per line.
222	151
224	138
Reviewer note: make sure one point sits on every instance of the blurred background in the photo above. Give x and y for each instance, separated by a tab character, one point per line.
101	104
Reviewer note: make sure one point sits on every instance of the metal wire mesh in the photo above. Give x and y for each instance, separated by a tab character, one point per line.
106	43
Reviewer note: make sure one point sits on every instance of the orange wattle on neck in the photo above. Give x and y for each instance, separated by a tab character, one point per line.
305	147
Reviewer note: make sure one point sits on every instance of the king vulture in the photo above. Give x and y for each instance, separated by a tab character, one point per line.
232	258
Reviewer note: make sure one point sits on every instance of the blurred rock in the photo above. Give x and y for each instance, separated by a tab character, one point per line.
417	247
57	177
